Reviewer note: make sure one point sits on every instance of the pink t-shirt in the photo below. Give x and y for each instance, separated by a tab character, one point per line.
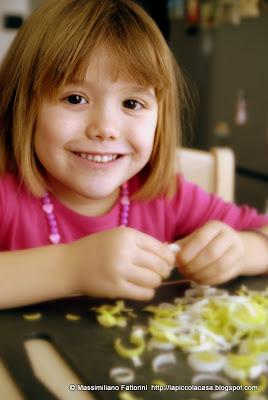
23	224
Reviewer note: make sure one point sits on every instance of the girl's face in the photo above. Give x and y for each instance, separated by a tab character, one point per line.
96	135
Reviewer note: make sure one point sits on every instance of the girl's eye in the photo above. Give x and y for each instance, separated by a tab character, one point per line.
76	99
133	104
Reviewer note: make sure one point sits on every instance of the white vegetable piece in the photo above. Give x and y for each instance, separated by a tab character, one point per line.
206	361
160	345
122	374
174	247
137	361
163	359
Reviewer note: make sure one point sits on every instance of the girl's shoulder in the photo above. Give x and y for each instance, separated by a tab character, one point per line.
10	184
12	190
8	179
9	188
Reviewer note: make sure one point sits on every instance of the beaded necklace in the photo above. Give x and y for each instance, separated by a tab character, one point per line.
48	208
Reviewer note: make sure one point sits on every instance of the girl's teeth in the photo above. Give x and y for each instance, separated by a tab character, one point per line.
98	158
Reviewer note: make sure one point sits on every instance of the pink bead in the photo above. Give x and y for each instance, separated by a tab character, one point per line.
124	200
53	223
54	229
47	208
46	200
124	221
51	217
54	238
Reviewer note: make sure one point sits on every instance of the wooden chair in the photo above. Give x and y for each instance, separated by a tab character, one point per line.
213	170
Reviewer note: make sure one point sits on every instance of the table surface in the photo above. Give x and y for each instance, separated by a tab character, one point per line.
88	347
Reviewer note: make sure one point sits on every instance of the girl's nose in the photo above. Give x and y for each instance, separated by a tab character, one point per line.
102	126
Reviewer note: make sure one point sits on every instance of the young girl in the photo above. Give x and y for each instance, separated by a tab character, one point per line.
89	199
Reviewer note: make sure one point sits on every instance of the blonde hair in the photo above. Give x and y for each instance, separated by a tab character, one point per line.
54	46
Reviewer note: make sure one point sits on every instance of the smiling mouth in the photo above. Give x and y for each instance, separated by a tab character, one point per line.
99	158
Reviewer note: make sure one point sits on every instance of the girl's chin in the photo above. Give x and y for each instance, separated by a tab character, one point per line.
100	194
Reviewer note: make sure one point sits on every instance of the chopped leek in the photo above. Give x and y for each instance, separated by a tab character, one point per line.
32	317
113	315
137	339
219	332
128	396
72	317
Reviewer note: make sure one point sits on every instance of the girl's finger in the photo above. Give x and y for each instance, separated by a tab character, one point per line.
197	241
218	279
152	245
212	252
134	292
153	263
221	270
143	277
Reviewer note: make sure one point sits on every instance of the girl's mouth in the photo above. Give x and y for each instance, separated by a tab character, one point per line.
98	158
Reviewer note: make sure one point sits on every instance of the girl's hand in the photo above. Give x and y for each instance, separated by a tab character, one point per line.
121	262
212	254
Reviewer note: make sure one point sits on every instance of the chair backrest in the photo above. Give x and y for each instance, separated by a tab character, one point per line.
213	170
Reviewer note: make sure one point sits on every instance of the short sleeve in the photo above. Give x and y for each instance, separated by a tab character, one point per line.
3	199
192	207
8	186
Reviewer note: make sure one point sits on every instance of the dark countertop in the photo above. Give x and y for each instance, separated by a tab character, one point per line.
88	347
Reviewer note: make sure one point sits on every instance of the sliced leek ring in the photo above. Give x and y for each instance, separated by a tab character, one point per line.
72	317
32	317
137	339
113	315
122	374
238	366
162	360
206	361
128	396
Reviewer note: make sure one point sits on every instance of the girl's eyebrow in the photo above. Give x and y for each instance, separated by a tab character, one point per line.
141	90
128	87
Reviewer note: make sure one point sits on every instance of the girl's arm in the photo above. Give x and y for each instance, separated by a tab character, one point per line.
256	251
121	262
35	275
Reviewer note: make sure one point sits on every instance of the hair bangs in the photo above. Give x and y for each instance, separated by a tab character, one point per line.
134	56
135	49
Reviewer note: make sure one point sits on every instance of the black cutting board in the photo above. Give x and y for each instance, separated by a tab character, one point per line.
88	348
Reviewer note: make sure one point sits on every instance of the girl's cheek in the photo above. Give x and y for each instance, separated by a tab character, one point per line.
143	143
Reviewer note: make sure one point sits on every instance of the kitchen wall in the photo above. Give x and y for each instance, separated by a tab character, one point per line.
11	12
36	3
229	64
13	8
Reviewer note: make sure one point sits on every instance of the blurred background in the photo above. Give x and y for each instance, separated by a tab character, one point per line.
222	46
